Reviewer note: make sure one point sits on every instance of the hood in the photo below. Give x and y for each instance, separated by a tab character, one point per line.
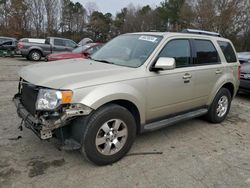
74	73
245	68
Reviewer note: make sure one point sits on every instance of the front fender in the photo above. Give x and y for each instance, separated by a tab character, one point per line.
104	94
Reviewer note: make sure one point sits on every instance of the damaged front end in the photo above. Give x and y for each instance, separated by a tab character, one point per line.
45	110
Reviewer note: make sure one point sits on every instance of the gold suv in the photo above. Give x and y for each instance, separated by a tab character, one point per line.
135	83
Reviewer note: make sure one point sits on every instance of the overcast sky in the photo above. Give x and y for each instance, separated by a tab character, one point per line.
114	6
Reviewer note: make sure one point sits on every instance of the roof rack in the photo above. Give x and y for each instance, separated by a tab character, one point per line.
201	32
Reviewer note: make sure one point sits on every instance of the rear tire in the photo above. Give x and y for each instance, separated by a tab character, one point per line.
220	106
108	134
35	55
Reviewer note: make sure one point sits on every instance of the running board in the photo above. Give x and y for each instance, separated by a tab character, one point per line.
173	120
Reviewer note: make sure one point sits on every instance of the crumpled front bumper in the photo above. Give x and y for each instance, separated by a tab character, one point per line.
31	122
43	126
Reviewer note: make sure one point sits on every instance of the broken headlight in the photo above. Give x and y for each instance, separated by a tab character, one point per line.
49	99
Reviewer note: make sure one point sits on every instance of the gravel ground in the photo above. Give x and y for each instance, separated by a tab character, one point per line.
189	154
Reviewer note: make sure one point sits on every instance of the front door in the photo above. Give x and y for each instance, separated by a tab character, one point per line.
171	91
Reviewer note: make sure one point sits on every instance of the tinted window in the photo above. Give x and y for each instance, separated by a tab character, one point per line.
178	49
206	52
7	43
70	43
228	51
59	42
5	39
47	41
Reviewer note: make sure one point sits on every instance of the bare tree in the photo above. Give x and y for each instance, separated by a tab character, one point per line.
91	7
37	11
52	10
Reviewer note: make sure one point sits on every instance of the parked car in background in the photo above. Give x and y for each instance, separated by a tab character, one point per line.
244	57
34	51
80	52
32	40
8	43
245	76
85	41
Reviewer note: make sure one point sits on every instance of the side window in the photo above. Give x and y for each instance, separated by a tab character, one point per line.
206	52
7	43
178	49
70	43
59	42
228	51
47	41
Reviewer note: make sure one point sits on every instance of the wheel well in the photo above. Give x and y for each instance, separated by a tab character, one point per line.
35	50
230	87
132	109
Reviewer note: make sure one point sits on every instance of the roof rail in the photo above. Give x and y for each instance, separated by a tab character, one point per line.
201	32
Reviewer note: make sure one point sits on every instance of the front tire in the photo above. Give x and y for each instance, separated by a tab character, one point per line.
108	135
220	107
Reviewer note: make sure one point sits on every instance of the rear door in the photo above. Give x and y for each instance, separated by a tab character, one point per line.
47	46
208	69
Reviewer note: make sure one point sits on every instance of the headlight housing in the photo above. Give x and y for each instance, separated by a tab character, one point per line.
49	99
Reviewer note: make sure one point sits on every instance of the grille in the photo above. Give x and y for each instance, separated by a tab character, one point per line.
28	97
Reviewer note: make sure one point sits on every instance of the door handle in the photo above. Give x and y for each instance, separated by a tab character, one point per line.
218	71
187	76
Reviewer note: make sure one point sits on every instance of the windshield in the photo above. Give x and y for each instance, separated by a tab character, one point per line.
81	48
127	50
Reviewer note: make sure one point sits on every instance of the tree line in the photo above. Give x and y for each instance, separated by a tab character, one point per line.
64	18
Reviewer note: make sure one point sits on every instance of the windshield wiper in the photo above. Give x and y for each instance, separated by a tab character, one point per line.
102	61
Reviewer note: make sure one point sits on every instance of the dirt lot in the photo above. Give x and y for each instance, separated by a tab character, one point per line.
194	153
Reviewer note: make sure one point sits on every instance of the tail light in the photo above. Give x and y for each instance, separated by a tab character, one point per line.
19	45
239	72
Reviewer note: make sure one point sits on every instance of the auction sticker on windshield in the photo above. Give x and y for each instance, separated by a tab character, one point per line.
148	38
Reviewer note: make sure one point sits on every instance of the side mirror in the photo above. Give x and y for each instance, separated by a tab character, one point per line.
164	63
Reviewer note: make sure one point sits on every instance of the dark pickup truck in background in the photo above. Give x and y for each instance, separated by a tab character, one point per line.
34	51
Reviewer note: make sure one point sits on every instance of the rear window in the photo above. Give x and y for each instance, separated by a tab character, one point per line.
206	53
228	51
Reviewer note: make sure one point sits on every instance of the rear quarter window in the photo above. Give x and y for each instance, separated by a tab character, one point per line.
228	51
